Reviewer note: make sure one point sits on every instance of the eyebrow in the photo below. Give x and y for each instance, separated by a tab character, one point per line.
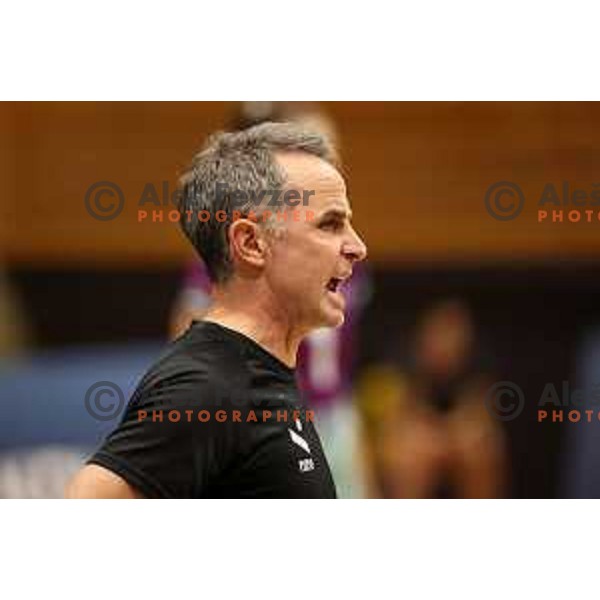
336	212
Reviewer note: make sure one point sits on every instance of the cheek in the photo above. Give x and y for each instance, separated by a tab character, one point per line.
303	261
289	261
295	251
287	271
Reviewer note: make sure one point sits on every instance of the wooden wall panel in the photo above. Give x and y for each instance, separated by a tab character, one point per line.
8	183
418	173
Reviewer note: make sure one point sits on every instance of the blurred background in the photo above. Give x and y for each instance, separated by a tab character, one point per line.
451	301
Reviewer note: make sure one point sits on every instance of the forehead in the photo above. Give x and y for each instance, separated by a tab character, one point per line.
307	172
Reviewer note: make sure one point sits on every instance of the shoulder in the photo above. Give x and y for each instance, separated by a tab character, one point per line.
193	371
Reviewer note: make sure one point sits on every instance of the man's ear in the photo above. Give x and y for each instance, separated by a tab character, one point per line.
247	243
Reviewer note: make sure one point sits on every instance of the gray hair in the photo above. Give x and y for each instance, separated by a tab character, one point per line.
243	161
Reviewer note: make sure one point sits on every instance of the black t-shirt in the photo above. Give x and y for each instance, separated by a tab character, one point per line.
218	417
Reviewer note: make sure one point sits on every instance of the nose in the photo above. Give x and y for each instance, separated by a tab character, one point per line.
354	249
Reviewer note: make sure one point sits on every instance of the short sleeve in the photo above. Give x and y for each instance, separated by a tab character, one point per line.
158	455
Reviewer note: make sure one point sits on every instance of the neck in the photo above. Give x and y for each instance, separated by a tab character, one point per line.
253	312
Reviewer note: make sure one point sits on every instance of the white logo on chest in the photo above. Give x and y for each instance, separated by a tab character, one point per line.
306	464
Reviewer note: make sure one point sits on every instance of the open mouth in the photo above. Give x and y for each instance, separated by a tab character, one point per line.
333	284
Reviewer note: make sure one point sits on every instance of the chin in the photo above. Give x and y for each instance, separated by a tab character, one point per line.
333	319
325	315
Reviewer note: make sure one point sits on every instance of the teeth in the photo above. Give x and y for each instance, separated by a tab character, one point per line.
333	284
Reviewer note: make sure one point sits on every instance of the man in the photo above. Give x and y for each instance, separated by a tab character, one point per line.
326	357
275	279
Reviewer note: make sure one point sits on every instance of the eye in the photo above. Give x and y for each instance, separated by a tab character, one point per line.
332	224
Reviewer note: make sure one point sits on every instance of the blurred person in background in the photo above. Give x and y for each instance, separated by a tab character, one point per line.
428	430
326	356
